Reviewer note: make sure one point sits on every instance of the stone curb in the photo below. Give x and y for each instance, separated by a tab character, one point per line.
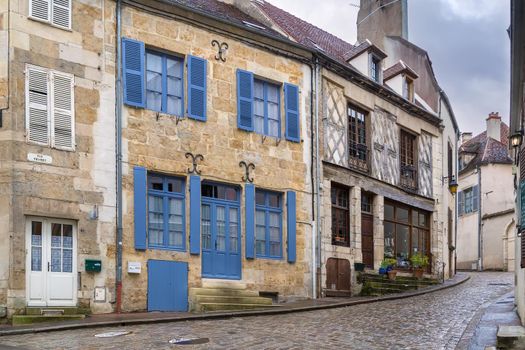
219	315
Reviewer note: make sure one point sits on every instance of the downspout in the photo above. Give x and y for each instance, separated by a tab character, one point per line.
456	207
318	177
480	234
314	183
118	124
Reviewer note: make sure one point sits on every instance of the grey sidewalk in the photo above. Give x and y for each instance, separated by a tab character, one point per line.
104	320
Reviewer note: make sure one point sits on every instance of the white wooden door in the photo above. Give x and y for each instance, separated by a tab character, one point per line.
51	262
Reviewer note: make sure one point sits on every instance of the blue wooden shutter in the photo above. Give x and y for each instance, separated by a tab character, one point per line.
291	107
250	219
291	225
475	198
461	203
139	203
195	214
133	72
197	88
244	100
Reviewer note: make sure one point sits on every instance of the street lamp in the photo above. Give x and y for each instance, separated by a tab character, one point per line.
452	183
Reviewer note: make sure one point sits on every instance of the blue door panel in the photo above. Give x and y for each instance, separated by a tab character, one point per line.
167	285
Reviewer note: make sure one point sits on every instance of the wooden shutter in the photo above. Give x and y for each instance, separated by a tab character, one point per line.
244	100
197	88
61	13
133	72
195	214
37	106
461	203
291	225
63	125
291	107
250	220
40	9
475	198
140	210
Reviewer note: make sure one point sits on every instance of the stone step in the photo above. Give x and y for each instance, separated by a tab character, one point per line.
403	286
206	307
337	293
223	284
57	310
510	337
20	320
223	292
401	280
201	299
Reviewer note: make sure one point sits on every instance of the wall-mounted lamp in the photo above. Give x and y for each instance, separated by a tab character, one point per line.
452	183
515	141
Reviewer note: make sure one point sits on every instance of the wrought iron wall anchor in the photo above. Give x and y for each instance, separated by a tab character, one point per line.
222	47
247	168
194	159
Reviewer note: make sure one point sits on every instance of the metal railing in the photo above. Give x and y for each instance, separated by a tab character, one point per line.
359	157
408	177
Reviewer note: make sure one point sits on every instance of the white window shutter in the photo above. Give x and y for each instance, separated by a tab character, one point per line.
63	122
61	13
37	106
40	9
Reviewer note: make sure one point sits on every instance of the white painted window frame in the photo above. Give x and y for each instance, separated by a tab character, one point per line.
50	14
50	107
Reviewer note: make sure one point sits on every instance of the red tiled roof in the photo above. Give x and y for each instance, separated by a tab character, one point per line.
364	46
398	68
306	33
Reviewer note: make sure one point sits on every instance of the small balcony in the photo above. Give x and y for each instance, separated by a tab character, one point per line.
408	178
359	157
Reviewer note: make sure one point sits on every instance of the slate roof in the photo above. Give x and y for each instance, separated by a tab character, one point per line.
487	150
398	68
364	46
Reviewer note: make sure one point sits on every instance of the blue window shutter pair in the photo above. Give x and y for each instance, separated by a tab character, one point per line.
140	206
291	225
245	105
197	88
291	108
195	214
250	220
133	67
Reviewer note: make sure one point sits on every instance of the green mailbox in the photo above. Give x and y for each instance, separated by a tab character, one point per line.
93	265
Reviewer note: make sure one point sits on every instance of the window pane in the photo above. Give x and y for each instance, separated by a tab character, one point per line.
389	239
154	81
206	227
155	220
273	111
273	128
402	245
174	67
155	183
402	214
423	220
272	93
208	191
56	235
260	198
259	125
56	260
154	100
174	105
175	223
260	217
258	91
234	230
174	185
154	62
68	236
36	258
273	200
258	108
415	240
221	229
155	204
174	86
67	262
389	212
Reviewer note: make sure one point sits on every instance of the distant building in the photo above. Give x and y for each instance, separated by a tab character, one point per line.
485	200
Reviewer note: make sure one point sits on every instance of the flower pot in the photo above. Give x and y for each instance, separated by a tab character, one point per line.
382	270
392	275
418	273
359	267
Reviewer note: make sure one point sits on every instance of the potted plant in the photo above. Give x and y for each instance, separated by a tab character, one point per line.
387	266
419	263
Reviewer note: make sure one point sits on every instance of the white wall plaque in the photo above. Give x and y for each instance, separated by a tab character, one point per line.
39	158
134	267
100	294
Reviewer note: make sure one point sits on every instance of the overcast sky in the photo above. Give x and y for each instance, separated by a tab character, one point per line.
466	40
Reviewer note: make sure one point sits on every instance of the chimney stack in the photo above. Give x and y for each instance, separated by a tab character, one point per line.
494	126
465	137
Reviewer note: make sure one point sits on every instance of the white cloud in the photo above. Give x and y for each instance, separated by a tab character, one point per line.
473	9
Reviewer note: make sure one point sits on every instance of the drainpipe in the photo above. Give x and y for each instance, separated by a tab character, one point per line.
480	226
313	181
456	207
118	124
318	177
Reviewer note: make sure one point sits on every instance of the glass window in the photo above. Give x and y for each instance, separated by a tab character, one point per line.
166	212
366	202
266	107
219	191
268	224
375	68
357	133
164	83
340	216
36	246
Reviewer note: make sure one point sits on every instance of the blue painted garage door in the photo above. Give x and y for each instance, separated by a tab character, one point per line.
167	285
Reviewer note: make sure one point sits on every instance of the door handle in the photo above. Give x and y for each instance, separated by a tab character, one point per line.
215	244
48	266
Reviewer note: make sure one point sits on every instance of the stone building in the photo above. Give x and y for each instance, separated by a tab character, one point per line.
486	213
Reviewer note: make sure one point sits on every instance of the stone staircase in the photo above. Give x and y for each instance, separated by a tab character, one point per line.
49	314
221	296
376	285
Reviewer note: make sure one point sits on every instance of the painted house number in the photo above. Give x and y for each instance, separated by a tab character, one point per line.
39	158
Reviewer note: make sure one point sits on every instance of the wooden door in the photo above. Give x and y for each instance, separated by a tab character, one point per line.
337	274
367	239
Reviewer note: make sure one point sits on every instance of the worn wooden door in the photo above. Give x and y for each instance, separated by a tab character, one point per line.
367	239
337	274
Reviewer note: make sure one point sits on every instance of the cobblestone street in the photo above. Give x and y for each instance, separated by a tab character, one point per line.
433	321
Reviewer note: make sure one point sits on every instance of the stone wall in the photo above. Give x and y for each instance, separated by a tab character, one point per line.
159	143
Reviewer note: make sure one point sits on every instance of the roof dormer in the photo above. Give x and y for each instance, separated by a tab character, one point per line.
400	78
367	59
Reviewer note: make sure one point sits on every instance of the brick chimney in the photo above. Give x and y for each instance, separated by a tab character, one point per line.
465	137
494	126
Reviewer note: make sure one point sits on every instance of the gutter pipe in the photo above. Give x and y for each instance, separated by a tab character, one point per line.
118	131
318	180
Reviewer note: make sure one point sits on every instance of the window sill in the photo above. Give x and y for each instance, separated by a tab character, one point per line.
36	19
173	249
32	143
268	257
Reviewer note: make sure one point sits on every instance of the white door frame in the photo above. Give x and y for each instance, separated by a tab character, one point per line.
46	258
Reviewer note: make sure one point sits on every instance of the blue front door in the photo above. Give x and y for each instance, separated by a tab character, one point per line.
167	285
220	229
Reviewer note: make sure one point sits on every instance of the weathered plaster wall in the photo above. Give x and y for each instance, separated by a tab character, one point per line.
159	144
